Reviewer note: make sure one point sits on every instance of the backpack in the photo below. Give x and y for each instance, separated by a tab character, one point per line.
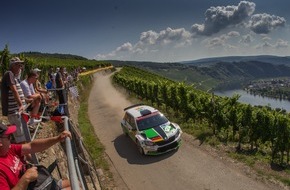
59	111
44	181
48	85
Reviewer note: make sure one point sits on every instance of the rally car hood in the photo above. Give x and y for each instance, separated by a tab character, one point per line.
161	132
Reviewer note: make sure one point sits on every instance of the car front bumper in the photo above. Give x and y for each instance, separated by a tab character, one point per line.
156	150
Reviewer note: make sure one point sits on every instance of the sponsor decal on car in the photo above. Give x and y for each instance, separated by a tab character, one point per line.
159	133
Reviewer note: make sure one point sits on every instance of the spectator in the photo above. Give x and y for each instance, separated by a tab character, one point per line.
12	97
69	79
38	88
28	90
56	71
12	159
51	77
60	83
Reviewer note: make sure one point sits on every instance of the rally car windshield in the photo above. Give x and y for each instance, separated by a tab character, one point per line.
151	121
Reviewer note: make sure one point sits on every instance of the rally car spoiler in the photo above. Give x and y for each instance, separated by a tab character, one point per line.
135	105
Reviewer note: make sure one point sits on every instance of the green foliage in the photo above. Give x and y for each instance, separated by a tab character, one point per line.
220	118
4	60
45	61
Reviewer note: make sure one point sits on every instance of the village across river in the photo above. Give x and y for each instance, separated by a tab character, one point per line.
256	99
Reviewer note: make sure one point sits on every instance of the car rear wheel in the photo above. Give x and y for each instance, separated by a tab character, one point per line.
125	133
140	149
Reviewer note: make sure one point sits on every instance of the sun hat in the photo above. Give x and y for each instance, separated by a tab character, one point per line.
15	60
7	129
36	70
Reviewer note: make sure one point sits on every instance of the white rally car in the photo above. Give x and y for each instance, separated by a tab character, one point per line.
150	130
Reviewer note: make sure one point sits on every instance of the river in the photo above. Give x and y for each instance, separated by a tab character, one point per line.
256	100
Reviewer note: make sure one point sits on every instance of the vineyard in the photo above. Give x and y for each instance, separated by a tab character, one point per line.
45	62
254	130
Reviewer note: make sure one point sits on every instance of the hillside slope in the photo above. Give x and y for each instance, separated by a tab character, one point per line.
193	166
219	73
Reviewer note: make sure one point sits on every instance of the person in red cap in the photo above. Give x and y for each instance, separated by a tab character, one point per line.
12	159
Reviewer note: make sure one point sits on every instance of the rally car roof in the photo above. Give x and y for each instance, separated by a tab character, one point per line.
140	110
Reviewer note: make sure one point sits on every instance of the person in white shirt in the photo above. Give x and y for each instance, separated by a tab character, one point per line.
29	93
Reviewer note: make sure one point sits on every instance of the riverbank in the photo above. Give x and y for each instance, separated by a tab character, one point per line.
256	100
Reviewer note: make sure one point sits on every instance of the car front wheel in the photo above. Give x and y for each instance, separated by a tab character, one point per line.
140	149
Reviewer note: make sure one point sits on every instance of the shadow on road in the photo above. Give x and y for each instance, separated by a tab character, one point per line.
127	149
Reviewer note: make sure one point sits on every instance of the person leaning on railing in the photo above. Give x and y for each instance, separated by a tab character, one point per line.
12	159
12	97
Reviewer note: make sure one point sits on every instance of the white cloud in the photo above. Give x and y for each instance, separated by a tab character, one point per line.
227	30
233	34
281	44
266	38
151	42
265	23
278	47
173	36
125	47
164	37
218	18
148	37
246	39
216	42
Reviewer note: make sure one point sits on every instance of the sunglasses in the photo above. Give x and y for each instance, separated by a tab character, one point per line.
19	64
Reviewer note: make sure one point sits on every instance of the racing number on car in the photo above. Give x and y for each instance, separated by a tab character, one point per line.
167	128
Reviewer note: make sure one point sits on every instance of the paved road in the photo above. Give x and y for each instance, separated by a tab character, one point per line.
189	168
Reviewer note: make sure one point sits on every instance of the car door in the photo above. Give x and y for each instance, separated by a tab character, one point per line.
131	126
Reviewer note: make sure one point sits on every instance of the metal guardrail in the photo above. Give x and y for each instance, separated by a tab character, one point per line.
74	171
70	159
73	167
83	160
74	180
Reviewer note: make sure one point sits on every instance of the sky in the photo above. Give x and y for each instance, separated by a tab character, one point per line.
147	30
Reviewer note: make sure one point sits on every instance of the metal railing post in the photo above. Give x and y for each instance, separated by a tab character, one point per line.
70	159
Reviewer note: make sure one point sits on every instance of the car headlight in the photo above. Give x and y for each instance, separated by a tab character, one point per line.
148	143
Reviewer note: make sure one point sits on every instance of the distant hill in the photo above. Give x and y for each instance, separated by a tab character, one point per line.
219	73
54	55
206	74
276	60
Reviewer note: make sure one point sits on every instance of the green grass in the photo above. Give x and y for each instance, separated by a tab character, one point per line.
91	141
252	159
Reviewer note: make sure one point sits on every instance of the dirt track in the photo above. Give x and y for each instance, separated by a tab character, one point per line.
189	168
